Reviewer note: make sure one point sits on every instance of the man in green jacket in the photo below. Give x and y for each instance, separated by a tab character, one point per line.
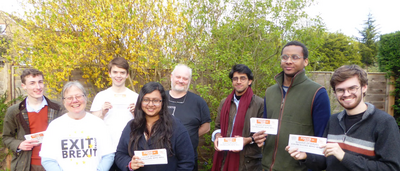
30	116
233	120
301	106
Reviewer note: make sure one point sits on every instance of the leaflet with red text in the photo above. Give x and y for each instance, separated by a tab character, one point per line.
151	157
308	144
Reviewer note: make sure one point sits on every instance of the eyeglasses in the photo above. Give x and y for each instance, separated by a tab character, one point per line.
155	102
351	90
77	97
295	58
242	78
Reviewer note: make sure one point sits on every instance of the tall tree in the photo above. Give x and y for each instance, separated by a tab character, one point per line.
336	50
368	40
86	35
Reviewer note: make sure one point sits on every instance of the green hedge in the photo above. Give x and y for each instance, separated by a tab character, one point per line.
389	61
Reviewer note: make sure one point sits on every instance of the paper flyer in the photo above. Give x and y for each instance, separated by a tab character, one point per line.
231	143
36	136
307	144
120	99
152	157
270	126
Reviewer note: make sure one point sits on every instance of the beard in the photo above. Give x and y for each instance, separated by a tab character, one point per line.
351	106
178	88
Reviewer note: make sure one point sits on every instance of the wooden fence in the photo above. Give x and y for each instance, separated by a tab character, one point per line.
378	92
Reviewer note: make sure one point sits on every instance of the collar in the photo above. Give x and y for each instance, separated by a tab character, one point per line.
37	110
297	79
370	110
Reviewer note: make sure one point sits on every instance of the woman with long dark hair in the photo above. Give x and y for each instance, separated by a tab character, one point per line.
154	128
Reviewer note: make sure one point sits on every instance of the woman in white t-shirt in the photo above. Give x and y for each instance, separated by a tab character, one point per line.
154	128
76	140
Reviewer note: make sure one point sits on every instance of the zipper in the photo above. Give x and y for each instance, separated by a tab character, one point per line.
280	116
279	127
345	132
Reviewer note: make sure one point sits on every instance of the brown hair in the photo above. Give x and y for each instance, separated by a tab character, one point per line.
347	71
120	63
30	71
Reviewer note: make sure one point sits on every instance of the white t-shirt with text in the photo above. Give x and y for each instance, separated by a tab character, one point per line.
77	144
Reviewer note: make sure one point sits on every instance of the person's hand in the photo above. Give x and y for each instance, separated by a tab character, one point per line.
106	107
131	107
217	135
333	149
245	142
27	145
136	163
259	138
296	154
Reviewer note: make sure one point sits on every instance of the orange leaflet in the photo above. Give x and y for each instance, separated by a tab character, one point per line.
259	121
230	140
308	139
146	153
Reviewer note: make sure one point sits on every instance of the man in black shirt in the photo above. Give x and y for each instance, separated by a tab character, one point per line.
190	108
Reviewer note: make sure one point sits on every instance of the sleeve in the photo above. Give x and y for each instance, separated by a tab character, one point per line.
265	108
315	162
321	112
205	112
48	149
218	118
97	102
50	164
184	151
122	157
387	149
213	134
9	131
261	108
106	162
106	140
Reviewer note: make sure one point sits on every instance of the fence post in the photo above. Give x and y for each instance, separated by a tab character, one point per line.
391	97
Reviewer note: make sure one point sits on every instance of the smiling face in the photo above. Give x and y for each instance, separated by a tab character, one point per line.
240	83
349	100
118	76
152	109
75	102
34	86
180	80
290	67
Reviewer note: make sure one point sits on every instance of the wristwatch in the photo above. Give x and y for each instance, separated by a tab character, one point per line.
252	140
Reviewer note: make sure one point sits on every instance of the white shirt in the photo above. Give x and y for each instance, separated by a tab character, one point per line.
119	115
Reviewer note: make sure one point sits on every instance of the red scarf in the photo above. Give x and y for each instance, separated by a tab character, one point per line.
232	159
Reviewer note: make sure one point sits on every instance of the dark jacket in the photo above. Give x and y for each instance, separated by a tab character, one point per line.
182	160
373	143
16	125
250	156
294	112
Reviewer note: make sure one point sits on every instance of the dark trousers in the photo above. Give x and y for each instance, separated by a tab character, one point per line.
37	168
114	167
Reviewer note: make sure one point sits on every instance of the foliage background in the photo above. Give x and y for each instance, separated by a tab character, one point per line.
389	61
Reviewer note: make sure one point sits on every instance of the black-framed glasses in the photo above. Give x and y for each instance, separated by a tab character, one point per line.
155	102
295	58
350	90
77	97
242	78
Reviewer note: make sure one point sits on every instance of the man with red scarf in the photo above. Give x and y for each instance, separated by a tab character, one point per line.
233	120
